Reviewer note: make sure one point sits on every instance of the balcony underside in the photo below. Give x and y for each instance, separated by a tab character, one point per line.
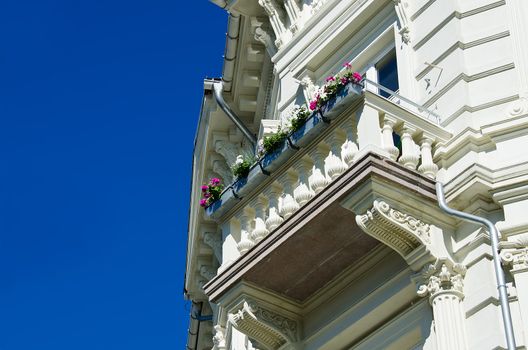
321	239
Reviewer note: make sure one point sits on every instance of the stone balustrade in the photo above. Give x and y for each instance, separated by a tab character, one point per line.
370	124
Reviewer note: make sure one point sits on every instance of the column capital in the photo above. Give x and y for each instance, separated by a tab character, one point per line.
442	277
515	254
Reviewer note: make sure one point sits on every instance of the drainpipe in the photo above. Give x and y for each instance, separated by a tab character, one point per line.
499	273
218	89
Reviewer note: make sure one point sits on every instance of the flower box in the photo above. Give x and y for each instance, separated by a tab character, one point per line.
337	104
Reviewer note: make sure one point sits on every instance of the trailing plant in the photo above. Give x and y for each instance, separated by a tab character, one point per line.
211	192
241	166
333	85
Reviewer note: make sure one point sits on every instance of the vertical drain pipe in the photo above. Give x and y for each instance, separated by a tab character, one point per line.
499	273
218	89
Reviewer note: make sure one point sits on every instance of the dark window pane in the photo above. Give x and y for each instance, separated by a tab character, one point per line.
388	73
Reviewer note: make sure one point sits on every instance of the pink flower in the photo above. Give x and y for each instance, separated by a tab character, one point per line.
330	78
313	105
356	77
205	188
215	181
344	80
203	202
207	195
347	65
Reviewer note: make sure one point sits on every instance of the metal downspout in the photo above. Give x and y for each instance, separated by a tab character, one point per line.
499	273
218	89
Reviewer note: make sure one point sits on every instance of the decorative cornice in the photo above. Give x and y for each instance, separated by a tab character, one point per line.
267	327
442	277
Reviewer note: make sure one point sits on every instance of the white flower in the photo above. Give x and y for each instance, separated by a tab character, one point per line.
239	160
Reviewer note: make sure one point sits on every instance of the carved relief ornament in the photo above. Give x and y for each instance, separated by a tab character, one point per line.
442	277
515	254
402	232
267	327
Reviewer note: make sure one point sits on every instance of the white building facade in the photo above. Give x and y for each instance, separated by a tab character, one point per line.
335	239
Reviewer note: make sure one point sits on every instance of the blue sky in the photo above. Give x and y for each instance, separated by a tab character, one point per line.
98	108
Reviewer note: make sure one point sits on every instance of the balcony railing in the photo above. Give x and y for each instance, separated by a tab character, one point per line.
353	123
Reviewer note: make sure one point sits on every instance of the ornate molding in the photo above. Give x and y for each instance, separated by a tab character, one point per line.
214	240
309	88
267	327
219	338
401	12
442	277
515	254
402	232
207	272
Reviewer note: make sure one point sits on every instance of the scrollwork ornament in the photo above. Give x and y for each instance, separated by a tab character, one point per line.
446	279
517	258
421	229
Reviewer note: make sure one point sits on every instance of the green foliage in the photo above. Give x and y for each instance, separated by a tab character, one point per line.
241	167
272	142
299	118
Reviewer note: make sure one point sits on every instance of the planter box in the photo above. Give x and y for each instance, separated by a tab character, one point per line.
313	126
272	161
337	104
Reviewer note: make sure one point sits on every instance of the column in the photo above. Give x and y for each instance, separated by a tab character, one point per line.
444	285
517	259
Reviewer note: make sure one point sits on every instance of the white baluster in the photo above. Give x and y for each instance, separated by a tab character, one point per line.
318	181
273	219
349	149
409	157
303	193
428	167
334	166
245	243
388	141
260	231
289	204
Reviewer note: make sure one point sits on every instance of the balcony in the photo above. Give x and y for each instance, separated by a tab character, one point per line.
356	180
298	198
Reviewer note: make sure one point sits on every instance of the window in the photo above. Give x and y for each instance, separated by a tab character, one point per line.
388	73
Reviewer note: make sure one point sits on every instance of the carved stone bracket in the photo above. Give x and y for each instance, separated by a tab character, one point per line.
441	277
515	254
267	327
402	232
264	34
207	272
214	240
